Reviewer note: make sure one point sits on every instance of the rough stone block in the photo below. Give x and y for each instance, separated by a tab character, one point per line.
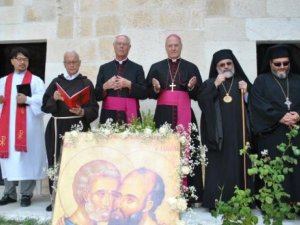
65	27
108	25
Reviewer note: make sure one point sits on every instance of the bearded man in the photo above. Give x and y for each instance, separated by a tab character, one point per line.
221	126
275	107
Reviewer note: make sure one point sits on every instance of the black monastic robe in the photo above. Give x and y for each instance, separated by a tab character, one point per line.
221	132
60	109
167	113
129	70
267	108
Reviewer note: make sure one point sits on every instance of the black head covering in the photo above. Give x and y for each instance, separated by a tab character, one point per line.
226	54
282	51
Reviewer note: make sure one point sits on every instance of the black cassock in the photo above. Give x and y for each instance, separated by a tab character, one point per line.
129	70
180	73
221	132
267	108
59	109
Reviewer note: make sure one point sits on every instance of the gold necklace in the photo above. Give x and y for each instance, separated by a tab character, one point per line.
172	85
286	96
227	98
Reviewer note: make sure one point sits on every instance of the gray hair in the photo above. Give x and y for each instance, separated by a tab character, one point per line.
123	35
87	172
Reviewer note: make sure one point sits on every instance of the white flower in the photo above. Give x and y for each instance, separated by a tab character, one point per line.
182	140
74	133
185	170
89	136
264	152
180	222
148	131
172	202
106	132
125	134
181	204
163	130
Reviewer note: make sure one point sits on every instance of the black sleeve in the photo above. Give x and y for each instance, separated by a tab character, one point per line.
138	87
150	90
99	93
91	109
49	104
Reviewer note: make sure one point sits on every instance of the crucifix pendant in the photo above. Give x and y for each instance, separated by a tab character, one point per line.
288	103
172	86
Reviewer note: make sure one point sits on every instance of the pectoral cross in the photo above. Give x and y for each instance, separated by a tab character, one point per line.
172	85
288	103
2	141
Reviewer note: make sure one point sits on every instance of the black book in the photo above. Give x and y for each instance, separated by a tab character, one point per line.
24	89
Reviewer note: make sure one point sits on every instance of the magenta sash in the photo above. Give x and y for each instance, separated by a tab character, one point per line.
129	105
180	99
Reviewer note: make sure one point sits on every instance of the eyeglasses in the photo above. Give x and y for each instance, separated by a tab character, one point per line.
279	64
224	64
19	59
71	62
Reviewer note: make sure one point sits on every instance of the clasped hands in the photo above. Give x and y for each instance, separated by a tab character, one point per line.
116	83
290	118
77	110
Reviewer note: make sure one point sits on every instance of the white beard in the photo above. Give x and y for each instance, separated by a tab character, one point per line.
227	73
95	213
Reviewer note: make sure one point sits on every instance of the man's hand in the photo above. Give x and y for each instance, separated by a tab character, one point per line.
243	86
156	85
21	98
122	82
220	79
57	96
77	111
192	83
1	99
290	118
110	84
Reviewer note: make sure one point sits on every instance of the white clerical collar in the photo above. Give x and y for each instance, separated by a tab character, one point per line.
121	61
71	77
174	60
19	73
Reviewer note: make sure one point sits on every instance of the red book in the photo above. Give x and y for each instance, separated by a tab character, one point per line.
79	98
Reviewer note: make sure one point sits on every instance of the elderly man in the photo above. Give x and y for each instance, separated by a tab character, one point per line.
174	82
22	145
120	85
94	186
63	117
139	195
275	107
221	126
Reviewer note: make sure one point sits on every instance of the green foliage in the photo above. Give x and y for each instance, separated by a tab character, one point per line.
271	195
27	221
236	210
147	122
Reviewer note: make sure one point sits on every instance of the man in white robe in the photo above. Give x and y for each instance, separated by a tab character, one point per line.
26	162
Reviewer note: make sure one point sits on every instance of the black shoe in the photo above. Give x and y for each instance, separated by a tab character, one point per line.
25	201
6	200
49	208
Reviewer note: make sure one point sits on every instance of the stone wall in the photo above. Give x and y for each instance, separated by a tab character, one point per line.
206	26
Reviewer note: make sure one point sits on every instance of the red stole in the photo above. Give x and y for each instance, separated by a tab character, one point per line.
20	129
180	99
128	105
